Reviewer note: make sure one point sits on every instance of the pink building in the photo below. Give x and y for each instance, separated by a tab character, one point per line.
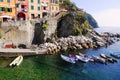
22	9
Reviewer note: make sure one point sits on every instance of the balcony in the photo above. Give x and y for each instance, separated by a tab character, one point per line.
44	5
22	10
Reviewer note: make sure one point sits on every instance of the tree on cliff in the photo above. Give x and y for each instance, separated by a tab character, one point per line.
66	4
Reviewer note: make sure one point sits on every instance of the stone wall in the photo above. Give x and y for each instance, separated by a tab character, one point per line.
22	32
17	32
52	26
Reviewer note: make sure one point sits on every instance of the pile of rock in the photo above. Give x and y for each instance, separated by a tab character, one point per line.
75	43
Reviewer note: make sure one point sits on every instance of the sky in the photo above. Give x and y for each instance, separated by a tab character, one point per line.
105	12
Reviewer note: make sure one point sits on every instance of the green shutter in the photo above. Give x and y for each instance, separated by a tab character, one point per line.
1	0
6	9
8	1
10	9
0	8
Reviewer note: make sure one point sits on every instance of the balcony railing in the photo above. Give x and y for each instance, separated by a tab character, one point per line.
22	10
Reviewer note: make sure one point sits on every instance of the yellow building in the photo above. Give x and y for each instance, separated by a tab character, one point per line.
34	9
7	9
54	7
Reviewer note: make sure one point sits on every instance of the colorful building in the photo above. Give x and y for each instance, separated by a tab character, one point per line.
28	9
54	7
22	9
35	9
42	8
7	9
45	8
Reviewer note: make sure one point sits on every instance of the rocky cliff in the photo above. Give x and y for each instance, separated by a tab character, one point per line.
91	20
72	24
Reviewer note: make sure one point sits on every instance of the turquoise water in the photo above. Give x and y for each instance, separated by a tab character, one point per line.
52	67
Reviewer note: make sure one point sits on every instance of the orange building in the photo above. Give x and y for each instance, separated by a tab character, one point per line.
7	9
22	9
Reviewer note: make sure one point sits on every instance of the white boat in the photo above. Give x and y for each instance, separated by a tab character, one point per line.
68	59
83	59
110	59
17	61
99	59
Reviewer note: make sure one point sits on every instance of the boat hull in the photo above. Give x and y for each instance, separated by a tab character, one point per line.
68	59
17	61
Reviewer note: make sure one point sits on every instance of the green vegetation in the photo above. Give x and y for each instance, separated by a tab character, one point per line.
81	25
63	15
91	20
66	4
34	68
79	15
82	29
73	24
77	31
0	36
44	26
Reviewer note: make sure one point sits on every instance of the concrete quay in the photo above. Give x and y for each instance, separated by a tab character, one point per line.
25	52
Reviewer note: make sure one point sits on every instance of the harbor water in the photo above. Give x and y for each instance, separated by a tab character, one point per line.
52	67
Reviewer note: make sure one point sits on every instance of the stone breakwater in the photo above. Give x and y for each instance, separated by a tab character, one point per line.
80	42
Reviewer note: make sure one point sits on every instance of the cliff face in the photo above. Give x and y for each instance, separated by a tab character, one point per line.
91	20
72	24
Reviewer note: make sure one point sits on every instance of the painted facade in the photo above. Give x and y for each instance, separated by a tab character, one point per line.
22	9
45	7
28	9
54	7
7	8
35	9
42	8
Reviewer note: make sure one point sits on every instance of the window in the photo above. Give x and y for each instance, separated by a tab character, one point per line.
8	1
38	15
22	6
8	9
1	0
38	1
56	2
17	5
52	1
38	8
32	7
44	8
32	1
32	16
2	9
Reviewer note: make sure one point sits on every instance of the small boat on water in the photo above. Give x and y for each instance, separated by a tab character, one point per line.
87	57
17	61
82	55
108	58
83	59
99	59
68	59
115	55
